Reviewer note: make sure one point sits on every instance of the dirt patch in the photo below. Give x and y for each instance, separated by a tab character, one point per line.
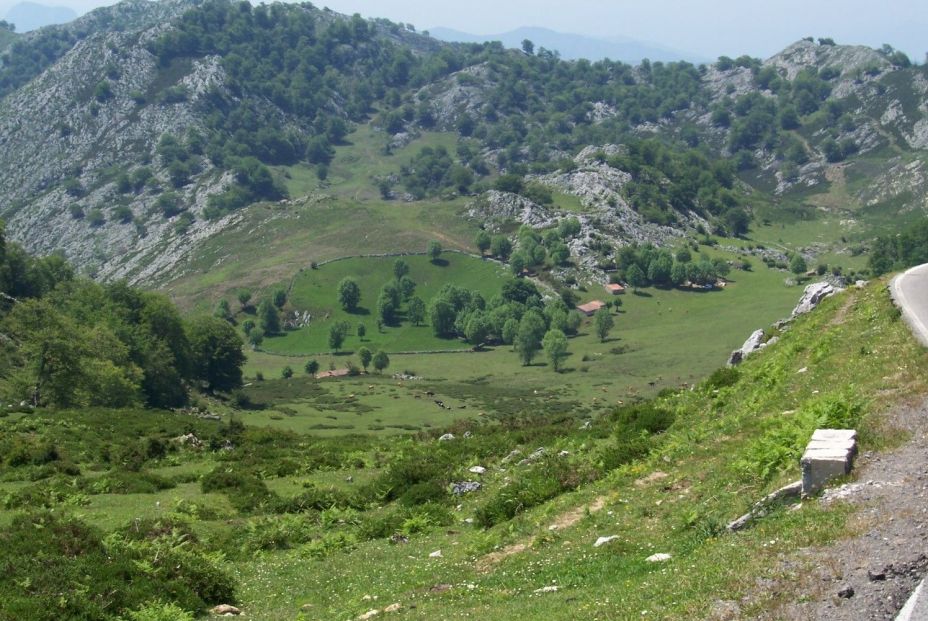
877	568
565	520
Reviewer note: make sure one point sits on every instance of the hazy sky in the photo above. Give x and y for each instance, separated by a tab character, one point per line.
707	28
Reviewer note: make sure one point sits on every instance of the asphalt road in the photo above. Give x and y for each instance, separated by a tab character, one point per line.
910	291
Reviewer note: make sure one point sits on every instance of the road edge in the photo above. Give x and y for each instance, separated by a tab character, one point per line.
919	330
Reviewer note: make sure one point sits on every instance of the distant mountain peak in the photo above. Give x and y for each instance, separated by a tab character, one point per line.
28	16
574	46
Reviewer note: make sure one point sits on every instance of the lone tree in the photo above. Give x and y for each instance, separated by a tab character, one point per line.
797	265
381	361
349	294
434	251
244	297
365	356
603	323
528	339
416	311
635	276
362	331
555	346
337	334
216	353
400	269
312	367
483	242
280	298
268	318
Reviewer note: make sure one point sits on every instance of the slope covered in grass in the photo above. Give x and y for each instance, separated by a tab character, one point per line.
319	527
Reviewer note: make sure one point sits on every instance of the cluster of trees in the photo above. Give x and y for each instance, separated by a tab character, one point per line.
74	342
667	181
534	249
904	249
643	265
516	317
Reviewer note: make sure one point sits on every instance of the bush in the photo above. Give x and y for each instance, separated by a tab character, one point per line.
421	493
722	378
246	492
545	481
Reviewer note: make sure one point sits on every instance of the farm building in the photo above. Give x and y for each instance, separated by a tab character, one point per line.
590	308
615	288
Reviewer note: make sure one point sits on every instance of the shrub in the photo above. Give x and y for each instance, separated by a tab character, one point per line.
246	492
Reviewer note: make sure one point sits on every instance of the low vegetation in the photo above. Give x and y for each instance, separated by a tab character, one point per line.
217	511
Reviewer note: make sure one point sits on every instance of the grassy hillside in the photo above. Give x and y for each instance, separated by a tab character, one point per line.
316	515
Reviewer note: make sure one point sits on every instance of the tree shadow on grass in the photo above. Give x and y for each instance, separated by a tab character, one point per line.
440	262
360	310
642	294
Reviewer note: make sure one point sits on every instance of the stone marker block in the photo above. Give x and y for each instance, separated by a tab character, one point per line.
829	455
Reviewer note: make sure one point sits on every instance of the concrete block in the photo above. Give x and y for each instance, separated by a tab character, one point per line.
829	455
835	434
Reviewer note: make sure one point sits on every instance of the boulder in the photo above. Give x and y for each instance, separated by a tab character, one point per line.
604	540
754	342
813	296
660	557
446	438
477	470
225	610
465	487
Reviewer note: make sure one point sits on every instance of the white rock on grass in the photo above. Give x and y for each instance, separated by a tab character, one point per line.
225	610
435	554
370	614
477	470
604	540
446	438
660	557
393	607
547	589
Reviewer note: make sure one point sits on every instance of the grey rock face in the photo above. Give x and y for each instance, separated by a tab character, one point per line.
813	296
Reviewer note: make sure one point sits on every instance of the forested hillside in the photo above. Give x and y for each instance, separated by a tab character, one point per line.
170	119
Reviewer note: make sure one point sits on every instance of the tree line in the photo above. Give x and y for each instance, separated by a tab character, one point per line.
69	341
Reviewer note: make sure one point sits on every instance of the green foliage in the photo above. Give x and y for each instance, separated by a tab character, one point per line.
381	361
268	317
603	323
338	331
901	250
104	576
216	353
554	344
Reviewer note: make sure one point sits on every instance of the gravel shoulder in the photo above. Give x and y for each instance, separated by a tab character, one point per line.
871	574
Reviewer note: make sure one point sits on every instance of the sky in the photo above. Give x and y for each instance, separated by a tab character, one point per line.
707	28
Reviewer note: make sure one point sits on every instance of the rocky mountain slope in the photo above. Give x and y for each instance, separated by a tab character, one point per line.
124	135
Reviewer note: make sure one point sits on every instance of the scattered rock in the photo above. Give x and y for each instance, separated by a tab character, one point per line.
604	540
563	454
655	476
586	425
399	538
189	439
547	589
225	610
760	508
370	614
439	588
393	607
876	575
512	455
446	438
754	342
465	487
813	296
435	554
477	470
846	593
660	557
535	456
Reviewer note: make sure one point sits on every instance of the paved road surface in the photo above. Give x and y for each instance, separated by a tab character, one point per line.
910	291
